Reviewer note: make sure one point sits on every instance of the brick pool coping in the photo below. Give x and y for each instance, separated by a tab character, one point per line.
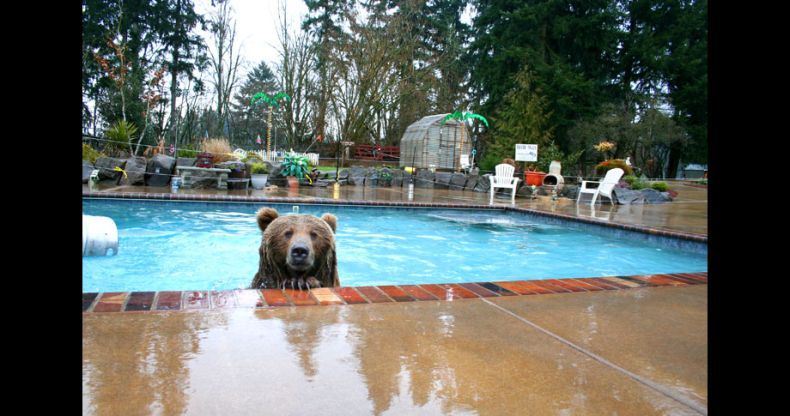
701	238
163	301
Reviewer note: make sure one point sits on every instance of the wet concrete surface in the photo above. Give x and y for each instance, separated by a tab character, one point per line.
542	355
687	213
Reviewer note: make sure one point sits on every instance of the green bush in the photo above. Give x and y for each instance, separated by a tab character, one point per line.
90	154
295	165
186	150
489	162
552	152
119	135
629	179
259	168
660	186
637	185
606	165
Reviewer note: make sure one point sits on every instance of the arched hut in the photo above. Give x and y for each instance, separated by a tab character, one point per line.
429	143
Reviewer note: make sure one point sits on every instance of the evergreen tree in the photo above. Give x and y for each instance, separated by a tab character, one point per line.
249	121
523	118
570	47
183	50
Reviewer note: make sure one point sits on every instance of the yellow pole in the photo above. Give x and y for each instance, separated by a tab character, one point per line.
269	134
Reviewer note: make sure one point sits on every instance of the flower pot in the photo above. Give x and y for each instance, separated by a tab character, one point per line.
259	180
293	182
534	178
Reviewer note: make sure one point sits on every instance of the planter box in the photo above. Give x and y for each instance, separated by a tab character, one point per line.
534	178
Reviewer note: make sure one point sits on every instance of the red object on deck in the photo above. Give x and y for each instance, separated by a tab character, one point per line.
534	178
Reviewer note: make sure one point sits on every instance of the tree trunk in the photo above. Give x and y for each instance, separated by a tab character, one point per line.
675	150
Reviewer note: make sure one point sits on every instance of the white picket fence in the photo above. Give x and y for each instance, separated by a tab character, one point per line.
276	156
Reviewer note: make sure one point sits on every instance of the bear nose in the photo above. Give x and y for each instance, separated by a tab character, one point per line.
299	252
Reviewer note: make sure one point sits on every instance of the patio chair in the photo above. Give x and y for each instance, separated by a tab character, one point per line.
604	188
504	179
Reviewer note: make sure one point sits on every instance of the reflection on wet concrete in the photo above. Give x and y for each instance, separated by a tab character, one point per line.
135	364
461	357
661	334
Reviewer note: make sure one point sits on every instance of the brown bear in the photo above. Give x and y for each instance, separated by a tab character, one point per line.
296	251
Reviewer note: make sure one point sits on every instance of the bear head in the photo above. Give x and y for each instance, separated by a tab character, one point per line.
295	248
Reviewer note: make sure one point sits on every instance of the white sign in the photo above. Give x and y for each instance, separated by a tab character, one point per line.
464	161
526	152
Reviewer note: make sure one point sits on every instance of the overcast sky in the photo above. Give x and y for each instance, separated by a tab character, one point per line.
256	23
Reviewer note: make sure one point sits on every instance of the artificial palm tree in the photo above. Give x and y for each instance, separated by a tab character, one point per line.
462	117
273	101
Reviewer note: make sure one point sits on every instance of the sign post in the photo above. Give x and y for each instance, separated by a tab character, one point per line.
526	153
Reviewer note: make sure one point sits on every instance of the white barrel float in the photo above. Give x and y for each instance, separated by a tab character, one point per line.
99	234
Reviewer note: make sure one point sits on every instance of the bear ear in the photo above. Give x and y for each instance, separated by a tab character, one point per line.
265	216
331	220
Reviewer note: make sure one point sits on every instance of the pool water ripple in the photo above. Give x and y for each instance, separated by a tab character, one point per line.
214	246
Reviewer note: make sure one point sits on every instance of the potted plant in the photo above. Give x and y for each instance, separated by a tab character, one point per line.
385	178
295	167
260	175
532	177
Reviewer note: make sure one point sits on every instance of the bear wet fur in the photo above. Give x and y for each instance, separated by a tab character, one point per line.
297	251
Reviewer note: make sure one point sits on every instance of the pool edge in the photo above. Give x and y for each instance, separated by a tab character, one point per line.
203	300
700	238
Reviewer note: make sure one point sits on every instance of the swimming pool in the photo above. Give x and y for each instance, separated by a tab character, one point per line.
214	246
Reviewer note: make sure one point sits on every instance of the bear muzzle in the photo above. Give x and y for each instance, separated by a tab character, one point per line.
300	257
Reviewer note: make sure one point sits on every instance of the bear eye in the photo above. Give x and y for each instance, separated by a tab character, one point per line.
289	233
313	235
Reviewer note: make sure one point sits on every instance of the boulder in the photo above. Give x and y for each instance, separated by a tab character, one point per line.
424	179
471	182
357	176
275	174
186	161
457	181
569	191
204	179
483	183
524	190
87	168
371	177
159	170
653	196
343	175
441	180
398	178
625	196
135	171
106	166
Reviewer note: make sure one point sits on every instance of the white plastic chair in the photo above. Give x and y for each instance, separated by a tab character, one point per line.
604	188
504	179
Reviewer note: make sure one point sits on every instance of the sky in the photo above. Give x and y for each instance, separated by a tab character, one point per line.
256	23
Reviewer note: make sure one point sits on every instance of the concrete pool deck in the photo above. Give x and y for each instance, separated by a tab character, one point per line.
688	213
640	350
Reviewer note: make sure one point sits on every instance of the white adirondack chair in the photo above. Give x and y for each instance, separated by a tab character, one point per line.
604	188
504	179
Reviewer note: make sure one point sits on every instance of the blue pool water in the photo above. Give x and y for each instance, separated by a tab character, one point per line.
214	246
